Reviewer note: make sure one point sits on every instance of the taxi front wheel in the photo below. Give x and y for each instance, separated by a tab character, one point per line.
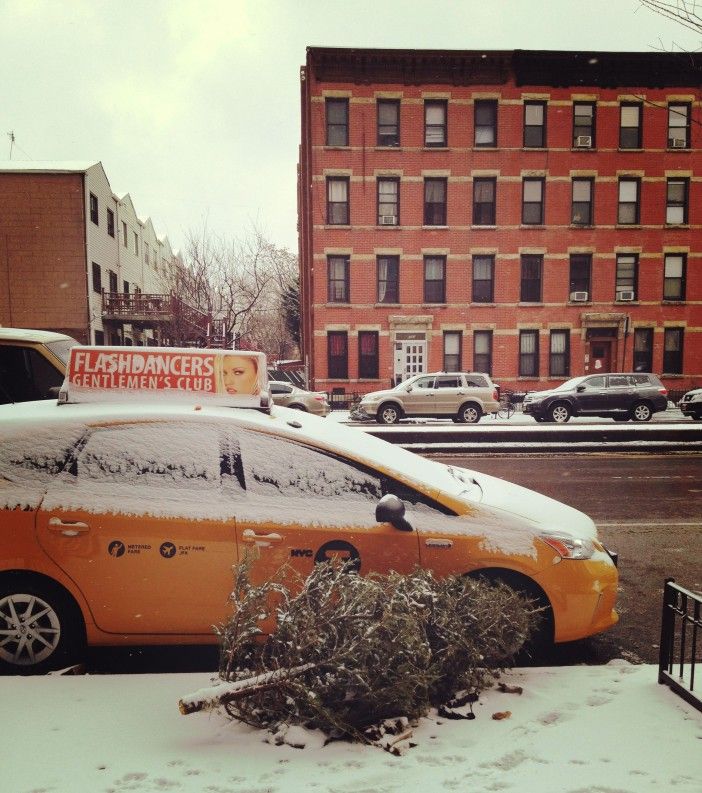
40	629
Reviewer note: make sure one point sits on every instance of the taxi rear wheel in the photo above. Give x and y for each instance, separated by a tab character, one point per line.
40	627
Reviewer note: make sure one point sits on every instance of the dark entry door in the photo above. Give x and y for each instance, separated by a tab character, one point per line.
600	356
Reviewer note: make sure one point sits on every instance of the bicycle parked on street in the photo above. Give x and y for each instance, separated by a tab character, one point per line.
506	407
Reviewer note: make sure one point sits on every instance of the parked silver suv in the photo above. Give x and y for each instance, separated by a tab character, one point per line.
464	397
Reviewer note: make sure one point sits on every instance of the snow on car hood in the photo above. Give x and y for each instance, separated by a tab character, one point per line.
542	512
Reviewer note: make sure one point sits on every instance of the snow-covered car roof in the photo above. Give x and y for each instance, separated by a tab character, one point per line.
29	335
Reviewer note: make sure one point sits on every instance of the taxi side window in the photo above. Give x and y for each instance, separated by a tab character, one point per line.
25	374
279	468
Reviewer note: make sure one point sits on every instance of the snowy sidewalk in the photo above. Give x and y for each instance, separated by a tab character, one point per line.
573	730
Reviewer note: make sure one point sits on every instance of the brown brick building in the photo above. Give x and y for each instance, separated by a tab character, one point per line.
535	215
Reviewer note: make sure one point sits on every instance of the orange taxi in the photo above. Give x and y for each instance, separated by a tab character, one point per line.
124	505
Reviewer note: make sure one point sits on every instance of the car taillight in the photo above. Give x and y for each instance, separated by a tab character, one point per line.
320	397
663	391
495	396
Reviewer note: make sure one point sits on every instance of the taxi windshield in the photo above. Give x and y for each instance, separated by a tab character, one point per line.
62	348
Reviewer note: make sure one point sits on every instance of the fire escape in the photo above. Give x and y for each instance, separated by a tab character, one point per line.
173	321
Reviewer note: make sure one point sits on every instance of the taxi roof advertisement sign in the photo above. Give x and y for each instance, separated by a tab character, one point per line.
234	378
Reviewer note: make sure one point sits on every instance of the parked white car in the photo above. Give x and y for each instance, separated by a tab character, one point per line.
691	404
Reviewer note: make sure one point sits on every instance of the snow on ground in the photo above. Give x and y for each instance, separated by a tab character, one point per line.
603	729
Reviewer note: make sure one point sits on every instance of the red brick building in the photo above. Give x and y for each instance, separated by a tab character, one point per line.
535	215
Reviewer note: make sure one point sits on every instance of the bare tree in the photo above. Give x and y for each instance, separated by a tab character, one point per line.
686	12
239	284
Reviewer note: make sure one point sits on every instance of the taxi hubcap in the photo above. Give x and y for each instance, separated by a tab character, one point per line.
29	629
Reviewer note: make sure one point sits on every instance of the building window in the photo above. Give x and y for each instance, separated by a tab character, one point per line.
674	278
643	350
533	201
581	214
627	276
388	201
453	341
435	126
337	122
110	222
531	266
583	125
678	126
628	212
435	202
528	353
434	279
630	116
485	116
368	353
483	279
146	253
388	122
338	354
559	355
676	201
484	202
482	351
94	209
97	278
338	200
136	244
338	268
99	337
125	287
113	280
388	279
124	234
534	125
580	274
673	351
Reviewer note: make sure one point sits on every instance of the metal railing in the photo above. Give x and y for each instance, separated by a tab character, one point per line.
680	629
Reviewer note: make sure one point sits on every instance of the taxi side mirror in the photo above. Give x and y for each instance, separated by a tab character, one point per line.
390	509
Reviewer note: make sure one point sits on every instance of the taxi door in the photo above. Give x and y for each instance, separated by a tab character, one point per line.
305	506
139	523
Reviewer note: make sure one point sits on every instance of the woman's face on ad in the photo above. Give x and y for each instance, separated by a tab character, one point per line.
239	374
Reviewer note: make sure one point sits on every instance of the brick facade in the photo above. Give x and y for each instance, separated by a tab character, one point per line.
602	286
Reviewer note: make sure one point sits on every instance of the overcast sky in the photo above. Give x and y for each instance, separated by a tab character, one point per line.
193	105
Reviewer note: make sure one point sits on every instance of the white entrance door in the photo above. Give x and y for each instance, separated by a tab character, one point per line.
410	357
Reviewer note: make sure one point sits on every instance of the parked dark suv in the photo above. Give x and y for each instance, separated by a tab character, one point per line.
634	396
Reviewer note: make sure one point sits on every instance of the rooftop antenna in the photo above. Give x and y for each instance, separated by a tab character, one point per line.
11	136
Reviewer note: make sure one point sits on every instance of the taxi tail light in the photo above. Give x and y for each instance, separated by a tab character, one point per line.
568	547
320	397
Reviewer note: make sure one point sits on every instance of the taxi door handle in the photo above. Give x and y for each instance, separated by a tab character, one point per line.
69	528
249	535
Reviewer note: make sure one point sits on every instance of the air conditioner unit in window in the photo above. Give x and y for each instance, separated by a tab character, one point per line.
578	297
388	220
625	294
676	143
583	141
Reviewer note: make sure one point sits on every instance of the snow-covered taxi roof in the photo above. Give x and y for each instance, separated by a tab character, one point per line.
28	334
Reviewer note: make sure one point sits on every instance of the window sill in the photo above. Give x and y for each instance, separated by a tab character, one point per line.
524	377
583	148
677	226
491	147
388	226
587	226
627	226
443	147
487	227
680	149
534	148
675	376
579	303
532	226
337	226
627	302
625	150
432	226
530	303
434	305
398	147
337	305
491	304
387	305
672	301
327	147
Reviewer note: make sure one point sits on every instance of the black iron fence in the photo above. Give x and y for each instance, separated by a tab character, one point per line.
680	630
